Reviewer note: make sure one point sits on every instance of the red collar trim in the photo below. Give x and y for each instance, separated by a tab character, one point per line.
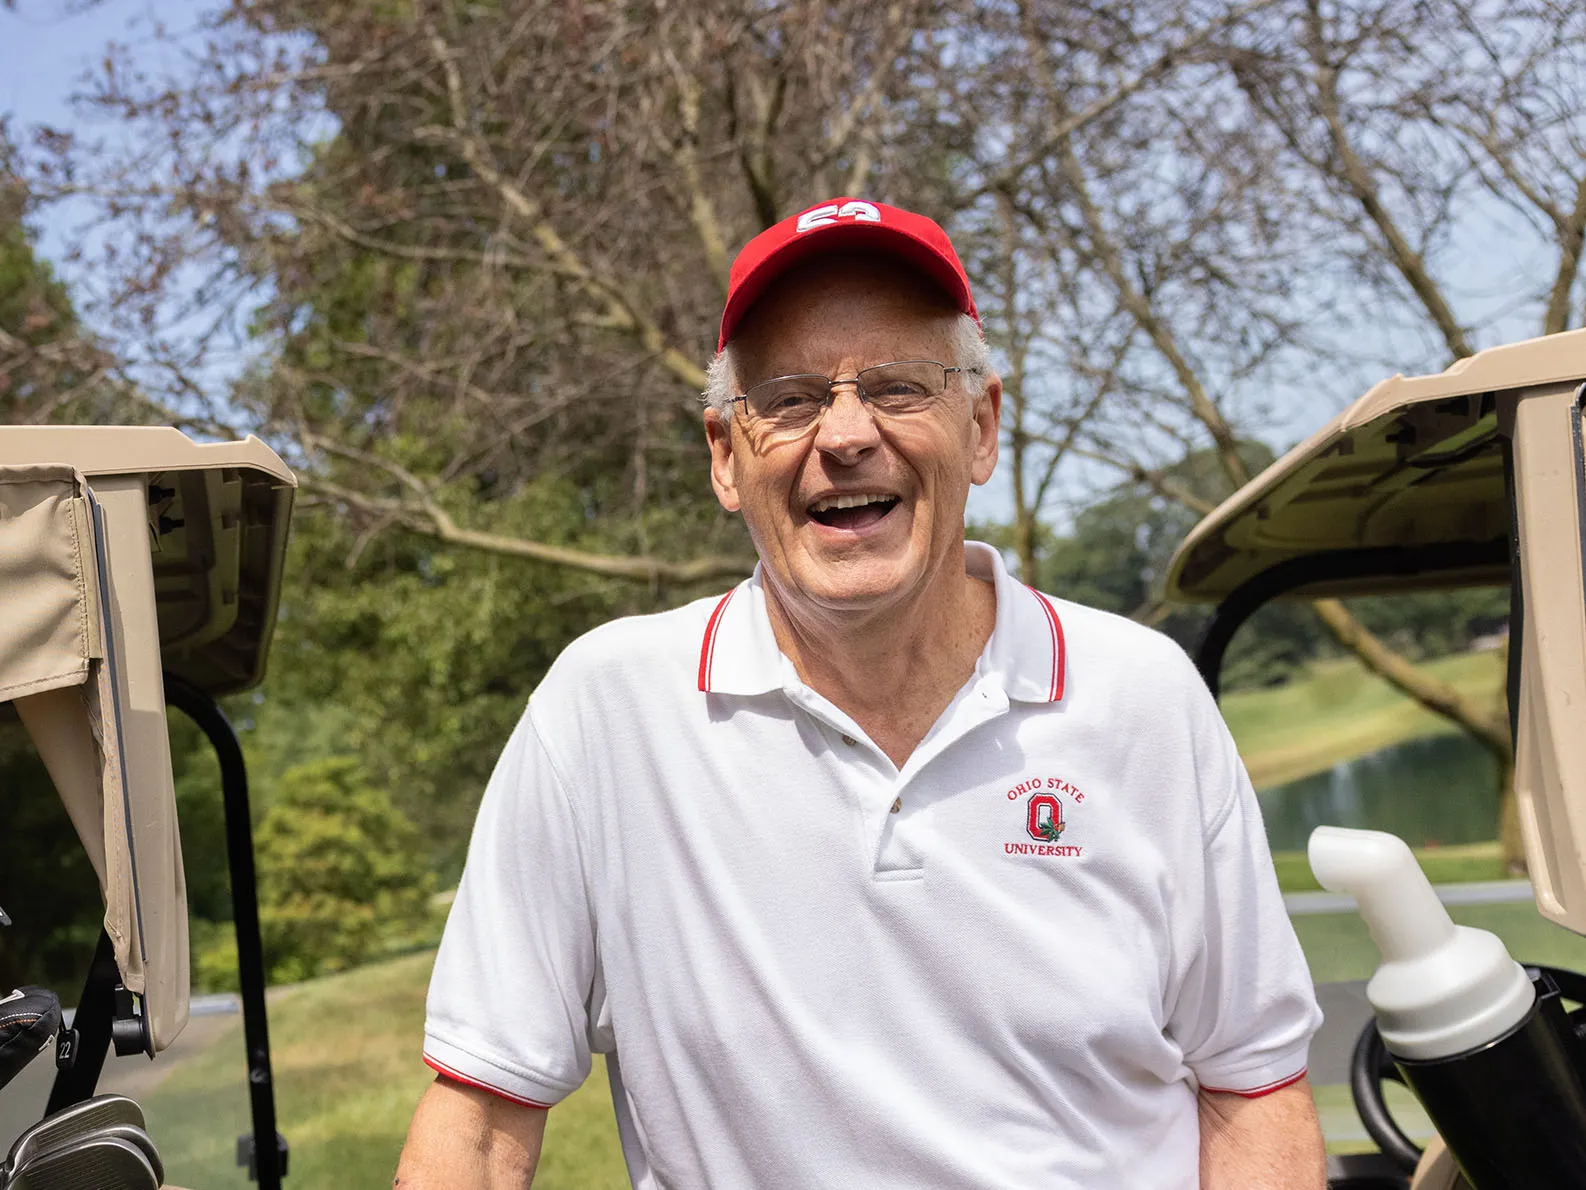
1059	647
707	646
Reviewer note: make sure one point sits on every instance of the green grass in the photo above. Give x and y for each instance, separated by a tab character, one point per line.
1340	711
346	1057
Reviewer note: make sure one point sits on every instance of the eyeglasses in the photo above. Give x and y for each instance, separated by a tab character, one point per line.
789	405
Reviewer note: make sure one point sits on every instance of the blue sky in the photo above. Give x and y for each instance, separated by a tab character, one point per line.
46	49
42	53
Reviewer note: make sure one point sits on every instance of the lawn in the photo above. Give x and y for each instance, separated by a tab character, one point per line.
348	1072
1340	711
1338	947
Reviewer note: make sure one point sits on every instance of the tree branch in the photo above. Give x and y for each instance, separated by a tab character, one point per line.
1405	259
685	152
425	516
1065	127
1153	477
621	309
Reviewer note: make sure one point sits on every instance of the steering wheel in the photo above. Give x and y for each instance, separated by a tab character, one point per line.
1371	1064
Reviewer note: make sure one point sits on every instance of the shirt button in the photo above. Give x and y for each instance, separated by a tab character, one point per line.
849	740
897	804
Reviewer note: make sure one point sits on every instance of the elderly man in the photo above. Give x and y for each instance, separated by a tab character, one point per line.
881	870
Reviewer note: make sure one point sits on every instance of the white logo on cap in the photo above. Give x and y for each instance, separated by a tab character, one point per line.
864	212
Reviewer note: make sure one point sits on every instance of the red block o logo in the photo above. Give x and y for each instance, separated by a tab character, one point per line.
1045	820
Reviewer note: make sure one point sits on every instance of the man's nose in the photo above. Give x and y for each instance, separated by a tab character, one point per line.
847	430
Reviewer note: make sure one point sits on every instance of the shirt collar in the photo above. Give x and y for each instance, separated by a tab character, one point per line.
1026	654
739	653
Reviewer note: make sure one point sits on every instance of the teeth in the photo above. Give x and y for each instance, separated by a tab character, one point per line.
854	501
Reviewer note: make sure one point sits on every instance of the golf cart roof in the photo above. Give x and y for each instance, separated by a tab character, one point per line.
217	533
1473	475
1408	482
127	552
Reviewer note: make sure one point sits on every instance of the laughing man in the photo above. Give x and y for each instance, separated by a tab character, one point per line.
881	870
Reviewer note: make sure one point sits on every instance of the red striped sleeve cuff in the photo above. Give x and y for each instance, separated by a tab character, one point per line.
458	1076
1258	1092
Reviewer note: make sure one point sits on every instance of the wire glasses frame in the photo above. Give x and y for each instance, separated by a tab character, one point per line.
790	405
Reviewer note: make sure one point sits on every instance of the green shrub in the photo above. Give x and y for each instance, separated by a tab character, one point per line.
342	876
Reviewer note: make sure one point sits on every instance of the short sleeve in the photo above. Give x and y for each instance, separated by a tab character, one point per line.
1247	1009
509	1000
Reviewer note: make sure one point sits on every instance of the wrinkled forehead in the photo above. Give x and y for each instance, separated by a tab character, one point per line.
857	309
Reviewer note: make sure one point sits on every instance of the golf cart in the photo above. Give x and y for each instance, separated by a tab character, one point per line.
137	569
1473	476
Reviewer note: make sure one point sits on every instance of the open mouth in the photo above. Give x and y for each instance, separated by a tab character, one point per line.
852	511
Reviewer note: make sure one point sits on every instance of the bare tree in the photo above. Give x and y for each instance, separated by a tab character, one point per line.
1306	177
476	248
50	368
1410	125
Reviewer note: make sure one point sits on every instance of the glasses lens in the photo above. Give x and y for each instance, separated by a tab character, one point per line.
788	402
903	388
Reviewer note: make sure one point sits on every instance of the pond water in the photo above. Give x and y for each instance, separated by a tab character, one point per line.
1436	790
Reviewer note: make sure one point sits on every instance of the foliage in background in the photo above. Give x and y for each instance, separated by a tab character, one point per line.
347	879
50	370
47	885
418	659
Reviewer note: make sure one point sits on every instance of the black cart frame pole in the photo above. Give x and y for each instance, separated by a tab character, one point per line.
86	1043
266	1161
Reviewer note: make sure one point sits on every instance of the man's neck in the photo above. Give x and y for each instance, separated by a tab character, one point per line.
895	671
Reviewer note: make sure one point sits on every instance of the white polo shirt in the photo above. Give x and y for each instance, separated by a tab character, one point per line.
1008	964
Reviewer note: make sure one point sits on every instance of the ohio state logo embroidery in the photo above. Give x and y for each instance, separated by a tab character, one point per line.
1043	817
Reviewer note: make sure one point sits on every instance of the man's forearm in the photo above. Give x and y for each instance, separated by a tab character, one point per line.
463	1138
1270	1143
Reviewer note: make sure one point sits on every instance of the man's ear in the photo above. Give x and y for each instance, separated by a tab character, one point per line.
718	433
987	415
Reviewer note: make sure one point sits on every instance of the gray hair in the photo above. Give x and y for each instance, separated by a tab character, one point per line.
969	353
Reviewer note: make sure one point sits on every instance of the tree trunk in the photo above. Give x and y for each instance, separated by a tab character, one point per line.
1510	843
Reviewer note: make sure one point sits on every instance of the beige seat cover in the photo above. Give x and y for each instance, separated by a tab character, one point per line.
68	678
99	591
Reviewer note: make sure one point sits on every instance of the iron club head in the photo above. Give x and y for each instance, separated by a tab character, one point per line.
73	1123
87	1163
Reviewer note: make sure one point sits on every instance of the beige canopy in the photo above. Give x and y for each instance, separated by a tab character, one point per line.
1415	463
1408	486
125	551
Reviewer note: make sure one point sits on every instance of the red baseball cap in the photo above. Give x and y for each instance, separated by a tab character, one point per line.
843	225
